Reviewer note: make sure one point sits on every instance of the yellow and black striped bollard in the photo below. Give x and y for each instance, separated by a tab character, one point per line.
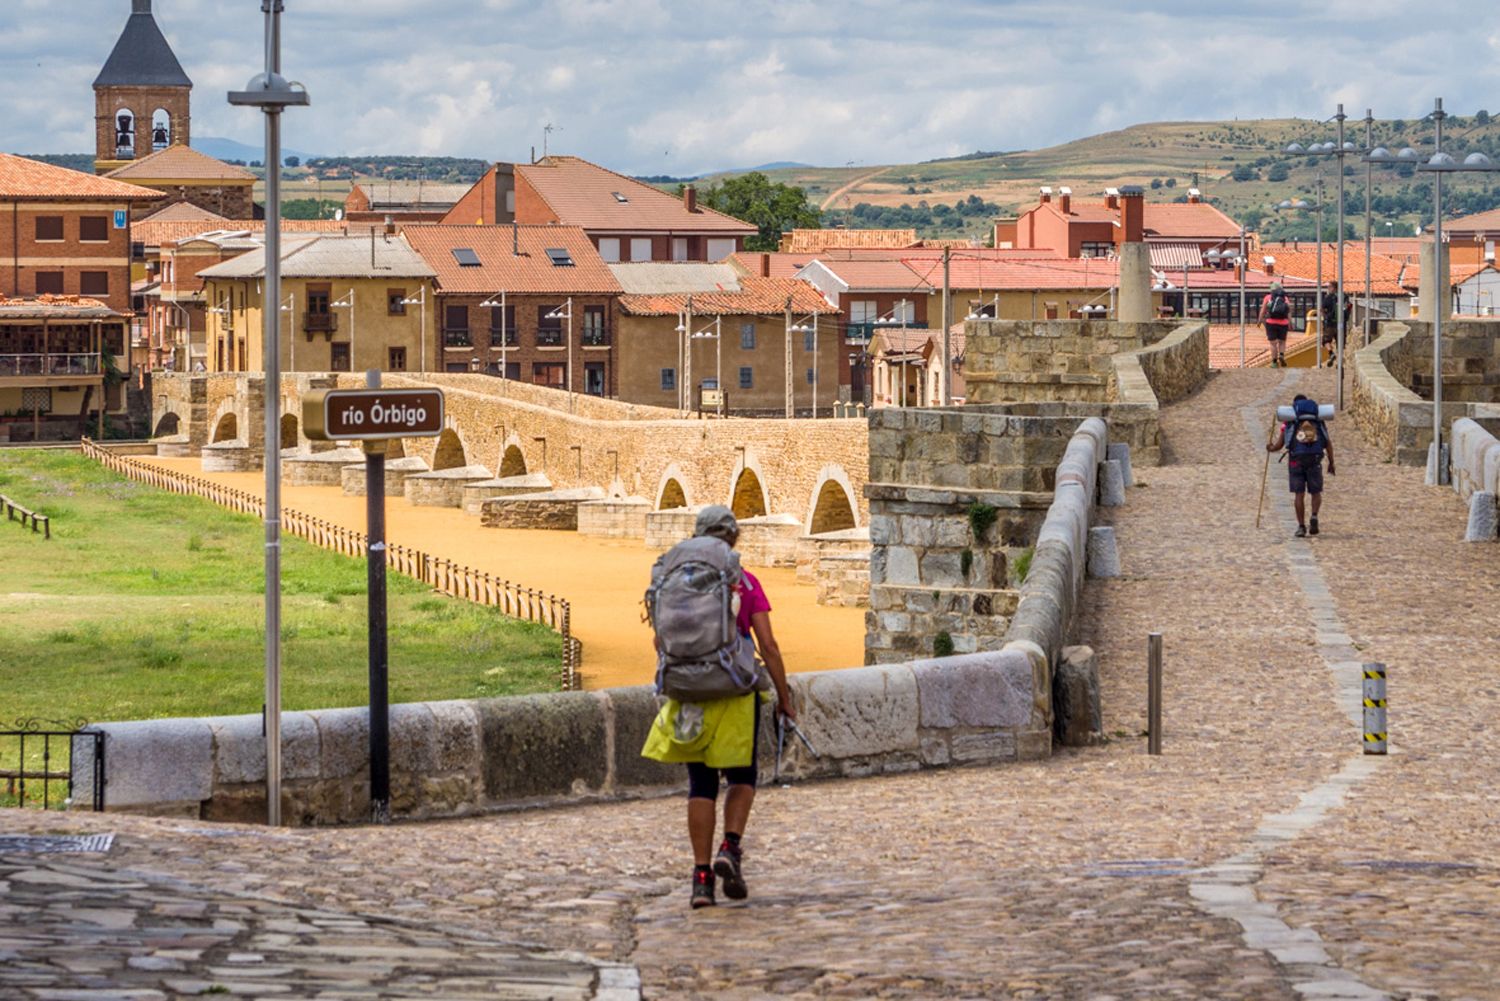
1374	701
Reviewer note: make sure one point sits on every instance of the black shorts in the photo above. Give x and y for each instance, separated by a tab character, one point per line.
1305	476
1277	333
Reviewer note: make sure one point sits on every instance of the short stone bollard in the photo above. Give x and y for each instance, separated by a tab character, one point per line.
1120	452
1111	484
1077	718
1482	521
1103	554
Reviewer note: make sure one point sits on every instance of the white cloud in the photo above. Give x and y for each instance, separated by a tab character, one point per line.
676	86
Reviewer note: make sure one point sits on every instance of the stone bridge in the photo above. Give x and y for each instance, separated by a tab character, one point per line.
810	471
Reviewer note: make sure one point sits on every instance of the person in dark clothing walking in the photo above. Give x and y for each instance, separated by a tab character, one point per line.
1334	300
1305	438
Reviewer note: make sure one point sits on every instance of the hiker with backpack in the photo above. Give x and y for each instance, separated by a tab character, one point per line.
1276	314
1305	438
1333	302
710	617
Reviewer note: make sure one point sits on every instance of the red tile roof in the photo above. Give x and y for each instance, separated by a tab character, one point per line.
55	307
1255	281
23	178
181	163
867	275
154	233
532	271
583	194
756	297
1301	261
1023	274
803	241
1411	278
1224	345
1188	221
184	212
1479	222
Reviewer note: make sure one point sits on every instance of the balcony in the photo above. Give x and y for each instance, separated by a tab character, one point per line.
549	337
320	323
595	337
457	337
503	337
47	369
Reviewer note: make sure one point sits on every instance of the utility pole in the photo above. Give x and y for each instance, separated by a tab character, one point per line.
1341	296
1369	169
270	92
788	358
946	338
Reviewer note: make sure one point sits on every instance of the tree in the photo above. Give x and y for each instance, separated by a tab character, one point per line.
1278	172
771	208
1244	172
1155	183
1171	182
1481	117
293	161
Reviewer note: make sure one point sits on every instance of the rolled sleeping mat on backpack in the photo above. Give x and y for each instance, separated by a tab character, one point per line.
1325	412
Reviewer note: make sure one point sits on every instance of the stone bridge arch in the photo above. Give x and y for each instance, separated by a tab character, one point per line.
748	495
449	452
167	425
672	490
832	507
289	431
512	459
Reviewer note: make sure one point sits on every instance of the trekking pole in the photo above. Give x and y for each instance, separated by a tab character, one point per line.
1264	474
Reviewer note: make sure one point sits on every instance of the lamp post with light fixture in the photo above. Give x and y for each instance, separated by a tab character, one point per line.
420	300
800	326
1300	204
565	312
491	303
347	302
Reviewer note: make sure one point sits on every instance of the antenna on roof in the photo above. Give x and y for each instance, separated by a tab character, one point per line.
547	131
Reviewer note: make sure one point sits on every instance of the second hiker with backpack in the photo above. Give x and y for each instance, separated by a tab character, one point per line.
1305	438
1276	314
710	617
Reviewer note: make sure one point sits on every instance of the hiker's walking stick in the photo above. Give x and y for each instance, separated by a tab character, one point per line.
1262	502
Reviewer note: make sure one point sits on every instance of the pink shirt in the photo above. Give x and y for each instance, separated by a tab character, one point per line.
752	599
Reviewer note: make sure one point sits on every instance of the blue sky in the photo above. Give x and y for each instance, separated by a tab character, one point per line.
661	86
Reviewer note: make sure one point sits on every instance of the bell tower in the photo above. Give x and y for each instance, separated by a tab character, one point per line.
141	96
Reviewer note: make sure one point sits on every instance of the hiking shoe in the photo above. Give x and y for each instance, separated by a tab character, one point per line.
1312	526
1301	532
703	890
727	868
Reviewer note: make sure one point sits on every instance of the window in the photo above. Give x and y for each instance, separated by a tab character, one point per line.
720	248
49	283
593	378
619	197
809	339
594	332
49	228
455	366
93	229
465	257
503	326
609	249
549	373
679	248
456	326
1096	248
137	250
549	329
863	311
640	248
93	283
338	357
395	302
668	379
747	377
810	377
747	337
36	399
397	360
512	369
560	257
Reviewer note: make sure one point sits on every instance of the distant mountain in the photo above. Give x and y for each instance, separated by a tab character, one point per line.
778	165
229	149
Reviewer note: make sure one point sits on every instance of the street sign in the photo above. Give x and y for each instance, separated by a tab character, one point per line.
121	218
372	414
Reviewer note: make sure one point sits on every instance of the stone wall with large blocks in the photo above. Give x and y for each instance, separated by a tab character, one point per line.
465	757
1039	361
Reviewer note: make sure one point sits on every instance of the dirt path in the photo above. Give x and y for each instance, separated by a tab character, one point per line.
839	193
603	579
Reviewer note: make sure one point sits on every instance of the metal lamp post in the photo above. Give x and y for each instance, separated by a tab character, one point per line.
716	335
801	326
1380	156
1301	204
491	303
565	312
347	302
271	92
420	300
1238	259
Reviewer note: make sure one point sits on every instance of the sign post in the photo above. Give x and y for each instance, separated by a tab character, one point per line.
373	417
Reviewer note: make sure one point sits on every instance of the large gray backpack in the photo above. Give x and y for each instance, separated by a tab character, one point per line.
691	605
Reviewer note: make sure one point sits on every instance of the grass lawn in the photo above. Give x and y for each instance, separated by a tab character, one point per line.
146	604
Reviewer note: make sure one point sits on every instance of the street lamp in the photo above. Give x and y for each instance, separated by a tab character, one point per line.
491	303
1443	163
420	299
347	302
565	312
717	337
803	327
1238	259
289	306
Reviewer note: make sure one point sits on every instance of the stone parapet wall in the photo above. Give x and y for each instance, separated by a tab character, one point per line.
769	541
1395	417
477	492
1168	370
1476	455
664	529
457	758
230	457
1045	361
556	511
322	469
617	518
843	579
352	476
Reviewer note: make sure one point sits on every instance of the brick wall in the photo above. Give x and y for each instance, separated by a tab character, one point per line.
25	257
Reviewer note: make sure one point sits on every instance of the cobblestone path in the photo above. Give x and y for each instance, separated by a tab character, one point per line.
1071	878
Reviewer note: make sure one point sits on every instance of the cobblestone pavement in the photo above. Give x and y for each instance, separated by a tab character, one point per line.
1061	879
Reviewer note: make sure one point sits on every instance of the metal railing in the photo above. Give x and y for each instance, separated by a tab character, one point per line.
465	583
320	323
549	337
505	337
457	337
80	363
594	337
53	773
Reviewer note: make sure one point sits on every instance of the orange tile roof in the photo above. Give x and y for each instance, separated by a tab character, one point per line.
55	306
747	262
154	234
1227	280
23	178
802	241
1300	260
181	163
1411	278
583	194
756	297
183	212
1021	274
499	270
1224	345
863	274
1188	221
1479	222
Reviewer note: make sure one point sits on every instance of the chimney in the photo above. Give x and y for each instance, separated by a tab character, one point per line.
1065	200
390	225
1270	263
765	265
505	193
1194	196
1046	195
1112	198
1132	227
690	198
